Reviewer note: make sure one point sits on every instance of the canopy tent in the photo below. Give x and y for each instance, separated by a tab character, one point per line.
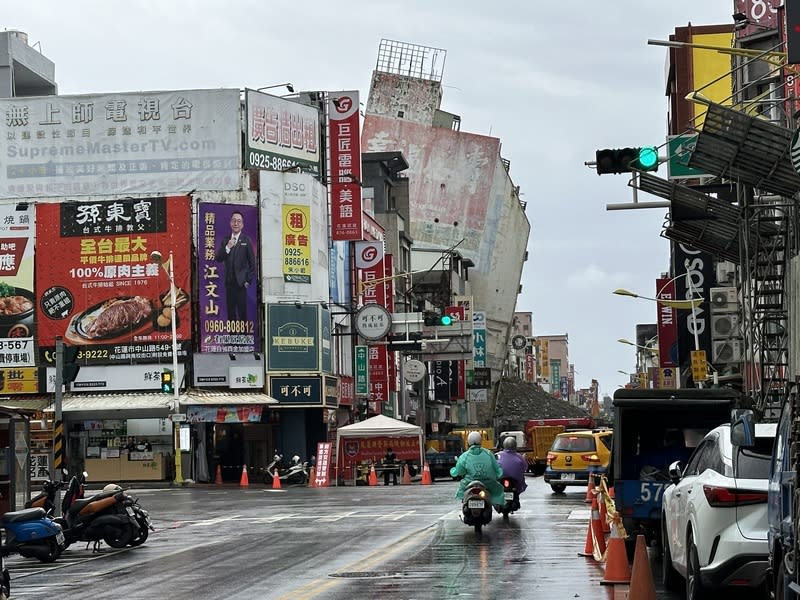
371	437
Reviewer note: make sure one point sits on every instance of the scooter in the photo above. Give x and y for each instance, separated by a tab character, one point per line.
476	507
46	499
32	534
511	495
108	516
296	473
141	515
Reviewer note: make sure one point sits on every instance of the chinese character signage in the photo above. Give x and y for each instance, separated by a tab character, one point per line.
97	286
362	377
127	143
293	337
227	257
479	338
370	267
297	390
296	236
345	166
323	466
17	302
281	134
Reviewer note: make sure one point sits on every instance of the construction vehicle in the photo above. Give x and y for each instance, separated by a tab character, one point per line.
442	452
487	435
539	436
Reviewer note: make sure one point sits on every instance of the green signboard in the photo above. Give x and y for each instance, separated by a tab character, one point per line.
679	150
293	338
362	379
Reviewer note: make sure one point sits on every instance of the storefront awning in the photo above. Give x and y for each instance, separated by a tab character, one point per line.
25	403
197	397
107	402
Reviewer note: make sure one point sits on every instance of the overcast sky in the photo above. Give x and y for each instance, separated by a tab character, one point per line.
553	80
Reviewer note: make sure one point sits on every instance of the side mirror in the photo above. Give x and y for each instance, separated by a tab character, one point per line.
743	428
675	471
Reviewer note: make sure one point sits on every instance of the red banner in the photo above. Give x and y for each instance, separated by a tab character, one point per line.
667	325
370	267
345	166
353	451
323	466
98	286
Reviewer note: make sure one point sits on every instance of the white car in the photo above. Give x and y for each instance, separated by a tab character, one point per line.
714	515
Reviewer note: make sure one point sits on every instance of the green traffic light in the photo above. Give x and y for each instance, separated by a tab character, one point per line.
648	157
445	320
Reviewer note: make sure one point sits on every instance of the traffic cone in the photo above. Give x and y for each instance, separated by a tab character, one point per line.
312	476
218	478
245	480
589	489
595	541
642	586
617	568
373	476
276	480
406	475
426	474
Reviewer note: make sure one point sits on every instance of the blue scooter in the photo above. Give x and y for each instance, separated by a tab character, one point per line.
30	533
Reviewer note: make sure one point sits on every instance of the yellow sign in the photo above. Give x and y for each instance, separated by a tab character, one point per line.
544	360
296	243
21	380
699	366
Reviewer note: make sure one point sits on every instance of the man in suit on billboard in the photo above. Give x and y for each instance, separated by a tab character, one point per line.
238	256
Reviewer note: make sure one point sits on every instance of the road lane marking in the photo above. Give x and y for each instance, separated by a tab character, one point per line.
336	517
583	514
214	521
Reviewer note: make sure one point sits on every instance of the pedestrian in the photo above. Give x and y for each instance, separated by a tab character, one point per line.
238	255
389	462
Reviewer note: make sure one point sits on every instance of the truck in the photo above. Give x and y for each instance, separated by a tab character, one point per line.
487	435
442	452
540	433
652	429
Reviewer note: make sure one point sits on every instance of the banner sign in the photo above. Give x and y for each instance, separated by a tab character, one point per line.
322	468
228	278
296	236
345	164
126	143
224	414
17	302
370	266
97	286
356	450
293	337
281	134
667	325
694	277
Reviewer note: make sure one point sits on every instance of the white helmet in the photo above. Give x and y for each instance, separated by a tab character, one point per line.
474	438
295	459
510	443
112	487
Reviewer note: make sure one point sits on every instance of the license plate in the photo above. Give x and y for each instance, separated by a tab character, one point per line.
509	495
129	510
60	538
474	503
568	476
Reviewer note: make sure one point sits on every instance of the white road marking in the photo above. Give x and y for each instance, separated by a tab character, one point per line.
214	521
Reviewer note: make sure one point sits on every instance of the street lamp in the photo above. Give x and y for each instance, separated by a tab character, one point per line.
288	86
157	258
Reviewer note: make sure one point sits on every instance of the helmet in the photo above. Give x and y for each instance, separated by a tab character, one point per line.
474	438
510	443
112	487
295	459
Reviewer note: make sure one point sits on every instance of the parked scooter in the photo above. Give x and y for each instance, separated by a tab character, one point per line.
476	507
32	534
297	472
511	494
141	515
108	516
46	499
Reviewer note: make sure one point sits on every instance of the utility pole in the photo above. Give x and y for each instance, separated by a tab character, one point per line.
58	425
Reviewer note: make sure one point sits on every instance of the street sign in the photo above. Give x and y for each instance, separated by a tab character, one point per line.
679	150
362	381
413	370
699	368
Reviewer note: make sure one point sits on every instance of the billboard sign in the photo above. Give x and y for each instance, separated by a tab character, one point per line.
281	134
227	271
97	286
125	143
17	302
345	162
296	243
293	337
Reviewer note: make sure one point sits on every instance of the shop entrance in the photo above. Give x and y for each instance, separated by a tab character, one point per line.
238	444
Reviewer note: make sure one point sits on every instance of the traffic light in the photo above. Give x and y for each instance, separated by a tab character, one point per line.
625	160
792	11
435	319
167	382
69	368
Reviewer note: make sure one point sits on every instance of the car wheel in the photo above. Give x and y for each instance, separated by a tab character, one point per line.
669	576
558	488
694	588
780	582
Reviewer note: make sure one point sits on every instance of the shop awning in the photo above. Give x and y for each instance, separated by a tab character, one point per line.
107	402
25	403
197	397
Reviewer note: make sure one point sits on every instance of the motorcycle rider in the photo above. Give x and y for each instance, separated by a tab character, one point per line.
513	464
478	463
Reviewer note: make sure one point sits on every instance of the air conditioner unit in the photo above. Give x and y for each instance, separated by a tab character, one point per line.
727	351
724	300
726	273
725	326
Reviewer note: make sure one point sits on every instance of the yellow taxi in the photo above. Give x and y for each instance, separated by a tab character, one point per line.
574	455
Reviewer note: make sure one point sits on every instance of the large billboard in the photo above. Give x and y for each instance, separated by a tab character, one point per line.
281	134
97	286
228	272
126	143
17	301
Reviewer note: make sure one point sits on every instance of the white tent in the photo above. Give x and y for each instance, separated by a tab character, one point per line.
379	426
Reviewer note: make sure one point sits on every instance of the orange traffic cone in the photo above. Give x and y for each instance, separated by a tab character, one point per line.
312	475
406	475
245	480
617	568
426	474
373	476
642	586
589	489
595	541
276	480
218	478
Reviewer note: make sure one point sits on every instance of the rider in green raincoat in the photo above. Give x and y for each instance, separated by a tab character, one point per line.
479	463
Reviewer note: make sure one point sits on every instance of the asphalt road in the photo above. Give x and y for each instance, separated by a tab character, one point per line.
404	542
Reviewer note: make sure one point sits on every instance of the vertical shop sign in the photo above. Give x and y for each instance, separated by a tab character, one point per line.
322	468
362	373
479	338
16	285
97	286
345	166
667	325
296	243
228	272
370	266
